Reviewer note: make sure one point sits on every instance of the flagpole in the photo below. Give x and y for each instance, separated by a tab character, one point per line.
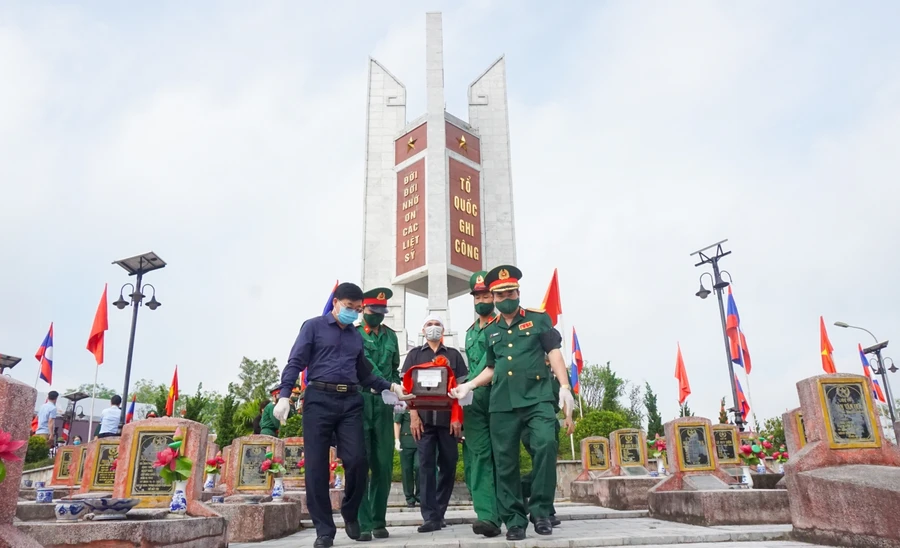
93	398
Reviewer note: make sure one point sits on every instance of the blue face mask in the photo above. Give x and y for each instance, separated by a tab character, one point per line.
76	442
347	316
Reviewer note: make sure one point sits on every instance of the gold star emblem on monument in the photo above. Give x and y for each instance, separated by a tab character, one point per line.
462	143
411	145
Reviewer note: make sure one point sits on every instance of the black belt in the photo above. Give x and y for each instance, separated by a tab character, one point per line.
328	387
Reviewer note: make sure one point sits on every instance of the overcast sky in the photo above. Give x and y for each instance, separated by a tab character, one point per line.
229	138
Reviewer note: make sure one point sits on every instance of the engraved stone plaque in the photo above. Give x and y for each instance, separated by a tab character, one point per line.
692	444
631	448
726	446
598	455
66	454
849	418
292	455
801	427
146	481
705	482
251	458
635	471
83	456
104	476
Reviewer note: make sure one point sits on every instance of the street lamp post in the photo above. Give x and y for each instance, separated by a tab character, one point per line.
8	362
876	349
719	285
136	266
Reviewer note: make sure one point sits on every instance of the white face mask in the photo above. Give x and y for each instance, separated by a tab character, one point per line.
434	333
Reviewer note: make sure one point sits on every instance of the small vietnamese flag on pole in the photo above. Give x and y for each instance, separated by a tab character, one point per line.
98	330
826	348
173	394
684	387
552	304
130	415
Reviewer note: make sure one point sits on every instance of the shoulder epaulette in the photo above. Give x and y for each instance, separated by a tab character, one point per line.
537	310
494	319
471	326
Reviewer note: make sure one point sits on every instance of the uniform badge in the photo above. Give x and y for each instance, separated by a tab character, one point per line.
381	296
495	334
479	280
504	274
526	325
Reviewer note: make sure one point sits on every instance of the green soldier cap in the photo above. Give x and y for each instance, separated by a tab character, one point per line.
377	299
503	278
476	283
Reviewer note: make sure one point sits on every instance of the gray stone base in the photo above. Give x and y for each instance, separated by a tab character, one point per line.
32	511
583	491
721	507
624	493
187	532
256	522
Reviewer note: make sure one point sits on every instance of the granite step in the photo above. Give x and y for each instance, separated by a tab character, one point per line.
568	512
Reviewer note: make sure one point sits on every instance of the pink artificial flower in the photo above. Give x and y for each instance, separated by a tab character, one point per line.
212	462
166	457
767	445
8	447
301	463
775	455
785	456
112	466
333	466
266	465
745	449
277	460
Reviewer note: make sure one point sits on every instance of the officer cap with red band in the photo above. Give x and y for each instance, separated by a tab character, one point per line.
377	299
476	283
503	278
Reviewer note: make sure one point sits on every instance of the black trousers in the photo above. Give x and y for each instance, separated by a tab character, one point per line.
328	416
434	490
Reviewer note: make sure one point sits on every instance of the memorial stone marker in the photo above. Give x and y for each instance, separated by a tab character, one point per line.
849	414
628	453
293	453
794	431
98	475
65	456
247	454
694	446
693	455
725	438
594	457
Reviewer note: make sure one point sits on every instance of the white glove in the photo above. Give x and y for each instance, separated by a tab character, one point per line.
566	401
400	407
397	445
401	394
462	390
282	408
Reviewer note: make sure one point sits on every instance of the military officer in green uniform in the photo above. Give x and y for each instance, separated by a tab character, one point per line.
268	424
477	454
522	399
406	445
383	351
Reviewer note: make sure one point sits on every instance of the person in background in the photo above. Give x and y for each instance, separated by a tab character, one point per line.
109	418
151	415
405	444
47	416
76	440
434	432
258	417
268	424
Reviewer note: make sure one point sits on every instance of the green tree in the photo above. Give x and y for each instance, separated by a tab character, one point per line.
103	392
685	411
773	427
147	391
197	407
224	425
292	428
37	451
723	415
613	388
161	399
654	419
595	423
256	378
635	411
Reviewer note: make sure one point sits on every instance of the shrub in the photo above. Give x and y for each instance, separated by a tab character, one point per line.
37	450
292	428
595	423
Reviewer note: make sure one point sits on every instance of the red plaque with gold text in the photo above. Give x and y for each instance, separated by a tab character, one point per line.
410	144
465	216
411	217
463	143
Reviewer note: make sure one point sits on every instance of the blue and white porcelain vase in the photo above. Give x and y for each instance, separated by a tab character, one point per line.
179	501
278	489
210	482
337	481
44	495
70	510
760	468
781	468
746	479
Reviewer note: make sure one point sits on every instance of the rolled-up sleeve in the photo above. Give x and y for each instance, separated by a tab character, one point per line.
298	359
366	376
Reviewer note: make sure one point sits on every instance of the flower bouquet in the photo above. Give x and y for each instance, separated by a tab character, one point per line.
751	455
275	467
657	449
781	456
173	467
338	470
301	464
213	469
8	448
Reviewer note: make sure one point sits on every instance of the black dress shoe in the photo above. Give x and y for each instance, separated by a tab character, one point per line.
410	504
430	526
554	521
381	533
323	542
443	524
485	528
542	526
365	536
515	533
352	529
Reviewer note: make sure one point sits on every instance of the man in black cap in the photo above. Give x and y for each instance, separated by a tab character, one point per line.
331	349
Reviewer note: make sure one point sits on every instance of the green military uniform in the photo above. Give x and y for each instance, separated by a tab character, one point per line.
268	424
409	460
477	455
383	351
521	400
526	441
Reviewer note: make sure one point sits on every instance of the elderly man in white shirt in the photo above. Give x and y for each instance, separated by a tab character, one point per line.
109	418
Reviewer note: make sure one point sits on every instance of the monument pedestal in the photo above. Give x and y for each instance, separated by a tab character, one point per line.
14	398
844	484
98	476
624	492
258	522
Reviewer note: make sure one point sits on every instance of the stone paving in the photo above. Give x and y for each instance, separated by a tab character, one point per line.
611	531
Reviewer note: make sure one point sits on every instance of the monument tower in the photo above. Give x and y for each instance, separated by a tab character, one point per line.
438	191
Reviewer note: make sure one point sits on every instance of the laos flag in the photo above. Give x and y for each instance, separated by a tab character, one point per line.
45	356
129	416
577	364
737	342
876	387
